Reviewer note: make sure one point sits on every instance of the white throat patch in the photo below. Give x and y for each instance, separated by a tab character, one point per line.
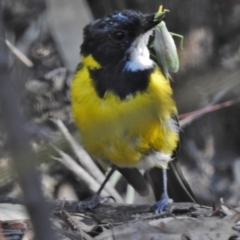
139	54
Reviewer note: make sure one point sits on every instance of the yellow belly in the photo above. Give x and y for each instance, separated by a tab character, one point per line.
124	131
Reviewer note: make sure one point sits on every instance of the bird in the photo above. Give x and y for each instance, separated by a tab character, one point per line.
123	106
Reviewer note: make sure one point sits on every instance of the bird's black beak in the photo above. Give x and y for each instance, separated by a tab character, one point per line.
151	20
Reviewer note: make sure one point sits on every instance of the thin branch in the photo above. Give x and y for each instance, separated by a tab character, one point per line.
84	159
19	54
77	170
187	118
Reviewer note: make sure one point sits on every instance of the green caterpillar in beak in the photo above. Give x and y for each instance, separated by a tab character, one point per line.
164	47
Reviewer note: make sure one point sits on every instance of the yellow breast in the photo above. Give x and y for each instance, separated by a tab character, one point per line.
124	131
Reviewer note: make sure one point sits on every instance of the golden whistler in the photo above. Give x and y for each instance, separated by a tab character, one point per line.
121	101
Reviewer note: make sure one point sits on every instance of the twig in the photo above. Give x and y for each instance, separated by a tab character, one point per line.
19	55
78	170
86	161
213	200
75	225
187	118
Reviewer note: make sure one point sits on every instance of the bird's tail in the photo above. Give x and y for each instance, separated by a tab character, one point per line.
178	187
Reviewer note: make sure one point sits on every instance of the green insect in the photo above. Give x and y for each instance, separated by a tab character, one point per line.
164	47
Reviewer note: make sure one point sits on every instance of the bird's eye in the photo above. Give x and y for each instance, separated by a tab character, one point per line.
119	35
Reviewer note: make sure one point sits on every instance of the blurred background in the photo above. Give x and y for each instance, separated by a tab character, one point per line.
49	34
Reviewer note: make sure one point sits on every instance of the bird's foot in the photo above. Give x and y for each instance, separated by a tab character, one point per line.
162	203
94	202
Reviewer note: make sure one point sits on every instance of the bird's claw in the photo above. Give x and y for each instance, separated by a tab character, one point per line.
161	204
94	202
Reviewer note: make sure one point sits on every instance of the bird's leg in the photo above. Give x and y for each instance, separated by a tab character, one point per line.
96	199
165	200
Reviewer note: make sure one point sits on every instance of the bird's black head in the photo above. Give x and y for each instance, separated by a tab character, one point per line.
120	38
